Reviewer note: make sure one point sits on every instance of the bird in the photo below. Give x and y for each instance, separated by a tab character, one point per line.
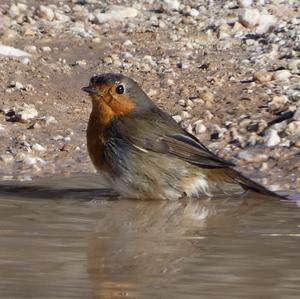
143	153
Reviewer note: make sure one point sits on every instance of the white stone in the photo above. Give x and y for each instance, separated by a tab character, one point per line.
282	75
2	127
271	138
13	52
116	13
46	13
266	24
245	155
46	49
294	65
58	137
128	43
61	17
278	101
200	127
17	85
170	82
190	129
49	120
38	148
6	158
27	112
263	76
252	158
30	48
177	118
194	12
185	114
249	17
285	143
78	28
280	127
14	11
293	128
23	7
170	5
245	3
297	114
25	60
80	62
30	160
274	187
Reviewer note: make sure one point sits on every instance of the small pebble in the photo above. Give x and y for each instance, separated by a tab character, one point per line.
293	128
297	114
177	118
252	157
66	147
185	115
16	85
170	5
27	113
282	75
200	128
249	17
115	13
39	148
271	138
6	158
57	137
49	120
245	3
46	49
46	13
194	13
207	96
263	76
278	101
266	24
128	43
30	160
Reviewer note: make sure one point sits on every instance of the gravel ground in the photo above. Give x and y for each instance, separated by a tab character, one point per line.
228	71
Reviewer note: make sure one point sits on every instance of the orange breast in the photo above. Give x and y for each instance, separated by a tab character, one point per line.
102	114
95	142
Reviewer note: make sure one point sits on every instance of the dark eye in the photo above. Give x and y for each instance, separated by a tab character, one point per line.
120	89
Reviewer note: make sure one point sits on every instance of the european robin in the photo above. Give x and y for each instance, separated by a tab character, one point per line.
143	153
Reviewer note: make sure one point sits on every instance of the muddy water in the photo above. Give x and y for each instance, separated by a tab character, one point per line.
67	239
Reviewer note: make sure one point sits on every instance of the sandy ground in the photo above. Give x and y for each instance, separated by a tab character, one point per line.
193	66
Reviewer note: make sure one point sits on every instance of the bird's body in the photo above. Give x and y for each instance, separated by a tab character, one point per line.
143	153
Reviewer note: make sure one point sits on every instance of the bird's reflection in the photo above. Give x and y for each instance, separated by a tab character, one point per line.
141	243
127	247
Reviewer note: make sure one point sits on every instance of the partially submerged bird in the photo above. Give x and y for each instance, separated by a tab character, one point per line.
143	153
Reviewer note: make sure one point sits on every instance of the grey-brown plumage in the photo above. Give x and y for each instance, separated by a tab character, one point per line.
144	153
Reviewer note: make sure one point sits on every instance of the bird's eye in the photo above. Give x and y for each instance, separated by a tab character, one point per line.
120	89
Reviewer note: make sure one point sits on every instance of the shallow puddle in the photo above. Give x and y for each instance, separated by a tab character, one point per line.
65	238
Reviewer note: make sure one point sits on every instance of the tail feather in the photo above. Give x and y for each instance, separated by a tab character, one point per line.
232	177
248	184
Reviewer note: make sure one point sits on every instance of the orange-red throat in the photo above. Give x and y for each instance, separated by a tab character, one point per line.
107	103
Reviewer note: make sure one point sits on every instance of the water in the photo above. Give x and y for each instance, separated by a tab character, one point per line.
65	238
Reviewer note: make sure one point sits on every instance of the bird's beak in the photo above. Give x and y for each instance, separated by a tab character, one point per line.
89	90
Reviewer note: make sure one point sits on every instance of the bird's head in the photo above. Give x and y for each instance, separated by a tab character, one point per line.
120	93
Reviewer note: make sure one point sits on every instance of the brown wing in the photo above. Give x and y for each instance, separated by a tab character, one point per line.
156	131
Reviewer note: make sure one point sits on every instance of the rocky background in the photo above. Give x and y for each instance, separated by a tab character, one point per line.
228	71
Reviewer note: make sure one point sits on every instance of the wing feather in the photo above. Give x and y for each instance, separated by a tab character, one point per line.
156	131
